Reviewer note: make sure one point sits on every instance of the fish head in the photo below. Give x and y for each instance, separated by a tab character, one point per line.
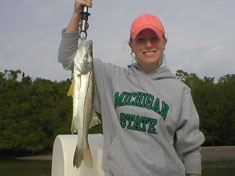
84	56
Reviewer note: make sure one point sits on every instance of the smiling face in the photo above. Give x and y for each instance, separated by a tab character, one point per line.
148	49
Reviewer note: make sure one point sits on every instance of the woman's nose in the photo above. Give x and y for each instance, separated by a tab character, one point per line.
149	44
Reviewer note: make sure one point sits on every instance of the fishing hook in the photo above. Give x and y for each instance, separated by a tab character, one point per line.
84	22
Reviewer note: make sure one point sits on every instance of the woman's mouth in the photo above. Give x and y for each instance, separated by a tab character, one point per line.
149	52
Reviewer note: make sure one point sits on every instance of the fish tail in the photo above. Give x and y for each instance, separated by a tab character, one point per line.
78	155
88	157
82	154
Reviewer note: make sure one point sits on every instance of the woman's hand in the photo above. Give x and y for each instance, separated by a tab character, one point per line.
78	5
73	25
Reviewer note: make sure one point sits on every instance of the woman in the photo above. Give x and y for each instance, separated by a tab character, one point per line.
150	123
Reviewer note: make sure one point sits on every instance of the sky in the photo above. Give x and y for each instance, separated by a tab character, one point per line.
200	34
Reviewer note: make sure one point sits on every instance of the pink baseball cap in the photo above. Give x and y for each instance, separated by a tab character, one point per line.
147	21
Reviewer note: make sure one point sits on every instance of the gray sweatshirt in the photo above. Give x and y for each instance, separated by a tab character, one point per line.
150	123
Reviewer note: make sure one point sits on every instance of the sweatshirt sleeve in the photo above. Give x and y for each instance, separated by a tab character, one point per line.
67	49
101	77
104	74
188	136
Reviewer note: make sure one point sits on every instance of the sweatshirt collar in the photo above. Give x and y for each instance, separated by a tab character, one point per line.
159	73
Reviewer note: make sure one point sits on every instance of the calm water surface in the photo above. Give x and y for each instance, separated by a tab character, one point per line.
25	168
43	168
221	168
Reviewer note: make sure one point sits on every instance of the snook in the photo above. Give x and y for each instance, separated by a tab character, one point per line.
82	93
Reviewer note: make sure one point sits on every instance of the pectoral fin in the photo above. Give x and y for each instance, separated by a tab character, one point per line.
71	89
73	127
95	120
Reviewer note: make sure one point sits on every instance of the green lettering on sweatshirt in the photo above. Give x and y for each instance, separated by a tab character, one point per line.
130	118
129	95
134	122
152	124
164	110
133	94
156	105
142	100
124	103
139	98
145	96
144	121
136	125
123	120
118	99
149	102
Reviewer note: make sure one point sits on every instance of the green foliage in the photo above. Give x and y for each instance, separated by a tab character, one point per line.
215	103
34	112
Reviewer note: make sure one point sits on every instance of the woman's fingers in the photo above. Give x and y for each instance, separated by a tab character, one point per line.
87	3
80	3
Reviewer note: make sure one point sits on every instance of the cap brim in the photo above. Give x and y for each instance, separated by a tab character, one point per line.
158	32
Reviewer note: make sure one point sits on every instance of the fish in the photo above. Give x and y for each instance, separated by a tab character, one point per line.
82	91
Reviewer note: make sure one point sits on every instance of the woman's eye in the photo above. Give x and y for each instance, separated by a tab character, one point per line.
140	39
155	38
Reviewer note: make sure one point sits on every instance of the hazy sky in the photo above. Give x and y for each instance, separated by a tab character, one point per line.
200	33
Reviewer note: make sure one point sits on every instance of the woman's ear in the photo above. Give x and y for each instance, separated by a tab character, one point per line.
130	44
164	44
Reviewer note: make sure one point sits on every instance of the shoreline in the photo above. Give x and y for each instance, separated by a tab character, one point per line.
219	153
36	157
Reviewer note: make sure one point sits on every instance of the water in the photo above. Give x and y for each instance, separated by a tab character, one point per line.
219	168
43	168
25	168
